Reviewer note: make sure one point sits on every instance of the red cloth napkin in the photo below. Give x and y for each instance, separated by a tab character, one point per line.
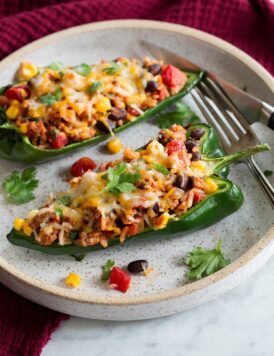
24	326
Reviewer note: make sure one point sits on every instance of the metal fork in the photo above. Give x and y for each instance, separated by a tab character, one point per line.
234	131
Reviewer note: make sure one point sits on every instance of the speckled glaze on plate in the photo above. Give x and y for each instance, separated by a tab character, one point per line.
247	235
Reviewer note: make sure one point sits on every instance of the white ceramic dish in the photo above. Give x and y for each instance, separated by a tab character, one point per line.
248	235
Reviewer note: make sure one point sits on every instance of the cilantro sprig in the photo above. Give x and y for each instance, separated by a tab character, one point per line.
113	68
83	69
181	115
107	269
56	65
203	262
20	186
49	99
120	181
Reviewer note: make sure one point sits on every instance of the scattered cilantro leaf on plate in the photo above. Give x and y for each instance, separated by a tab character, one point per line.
64	200
107	269
113	68
268	173
20	186
203	262
120	181
181	115
83	69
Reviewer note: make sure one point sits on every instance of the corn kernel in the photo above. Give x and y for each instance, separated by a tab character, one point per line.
136	99
148	271
18	224
200	165
27	229
12	112
91	202
161	221
114	145
27	71
210	186
73	280
24	128
103	105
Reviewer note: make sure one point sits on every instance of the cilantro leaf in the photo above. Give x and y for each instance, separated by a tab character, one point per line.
120	181
83	69
94	87
113	68
20	187
107	269
64	200
161	169
73	234
3	117
3	89
58	211
202	262
182	115
49	99
268	173
56	65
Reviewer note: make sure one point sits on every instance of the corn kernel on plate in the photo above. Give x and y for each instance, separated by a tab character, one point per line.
64	284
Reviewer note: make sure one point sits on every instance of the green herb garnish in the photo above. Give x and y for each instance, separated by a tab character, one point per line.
120	181
56	66
3	89
83	69
3	117
268	173
113	68
161	168
182	115
107	269
64	200
20	187
73	234
202	262
58	211
94	87
49	99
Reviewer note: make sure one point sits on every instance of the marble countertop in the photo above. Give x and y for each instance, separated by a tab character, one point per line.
241	322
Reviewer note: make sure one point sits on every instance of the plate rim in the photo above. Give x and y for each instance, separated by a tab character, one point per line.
184	290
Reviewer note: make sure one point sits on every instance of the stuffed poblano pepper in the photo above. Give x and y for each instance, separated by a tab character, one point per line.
173	185
53	110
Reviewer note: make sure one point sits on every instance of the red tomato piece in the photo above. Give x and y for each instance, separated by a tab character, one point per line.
81	166
173	77
132	229
174	146
120	279
18	93
59	141
133	112
198	196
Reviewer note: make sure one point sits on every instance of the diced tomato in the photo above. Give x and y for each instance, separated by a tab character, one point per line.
59	141
18	93
173	77
198	196
162	93
174	146
132	229
81	166
133	112
119	279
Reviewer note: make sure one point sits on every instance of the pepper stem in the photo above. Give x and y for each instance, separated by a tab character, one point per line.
217	164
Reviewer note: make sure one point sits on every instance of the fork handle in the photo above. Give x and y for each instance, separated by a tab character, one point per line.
261	179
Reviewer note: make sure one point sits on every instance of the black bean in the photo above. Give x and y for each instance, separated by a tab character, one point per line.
137	266
162	138
190	183
117	114
197	133
103	127
155	68
196	156
151	86
181	181
156	208
190	145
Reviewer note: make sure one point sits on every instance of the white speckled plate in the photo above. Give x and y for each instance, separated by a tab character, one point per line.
247	235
